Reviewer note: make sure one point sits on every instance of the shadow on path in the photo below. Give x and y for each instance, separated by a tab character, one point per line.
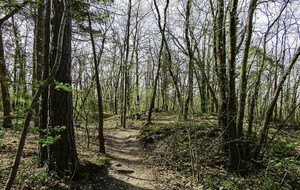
129	169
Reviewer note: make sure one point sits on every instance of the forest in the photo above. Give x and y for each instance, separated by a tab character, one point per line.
149	94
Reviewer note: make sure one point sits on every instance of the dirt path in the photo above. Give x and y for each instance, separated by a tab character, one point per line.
130	169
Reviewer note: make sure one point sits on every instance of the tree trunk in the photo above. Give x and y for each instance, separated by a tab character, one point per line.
162	31
270	109
62	154
189	100
43	123
234	153
220	48
98	87
125	69
4	86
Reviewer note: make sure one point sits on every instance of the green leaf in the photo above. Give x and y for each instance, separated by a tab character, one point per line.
63	86
103	1
278	164
290	145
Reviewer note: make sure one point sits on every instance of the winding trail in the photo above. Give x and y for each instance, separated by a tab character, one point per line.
130	169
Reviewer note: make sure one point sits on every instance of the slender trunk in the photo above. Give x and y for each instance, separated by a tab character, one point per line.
220	48
98	87
270	109
189	100
44	103
234	153
125	67
4	86
258	80
243	76
162	31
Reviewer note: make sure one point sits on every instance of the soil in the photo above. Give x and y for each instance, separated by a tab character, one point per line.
130	167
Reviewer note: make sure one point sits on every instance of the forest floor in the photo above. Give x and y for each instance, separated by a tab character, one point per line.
164	155
127	165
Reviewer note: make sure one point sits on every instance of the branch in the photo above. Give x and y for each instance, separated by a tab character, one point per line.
18	7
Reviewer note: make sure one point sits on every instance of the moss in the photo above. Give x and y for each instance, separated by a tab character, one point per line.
103	161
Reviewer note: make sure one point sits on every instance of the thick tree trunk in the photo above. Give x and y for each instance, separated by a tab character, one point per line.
62	154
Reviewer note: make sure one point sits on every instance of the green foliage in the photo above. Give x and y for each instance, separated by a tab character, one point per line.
35	84
34	129
228	184
51	135
54	174
103	161
63	86
282	148
19	180
80	10
288	162
19	126
103	1
105	15
37	178
272	184
66	87
49	140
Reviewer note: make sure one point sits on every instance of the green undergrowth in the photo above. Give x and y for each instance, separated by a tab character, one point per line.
89	174
103	162
181	146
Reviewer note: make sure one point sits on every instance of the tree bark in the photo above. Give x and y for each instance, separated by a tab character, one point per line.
243	76
125	68
189	100
43	122
4	86
98	87
162	31
220	49
63	157
234	153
